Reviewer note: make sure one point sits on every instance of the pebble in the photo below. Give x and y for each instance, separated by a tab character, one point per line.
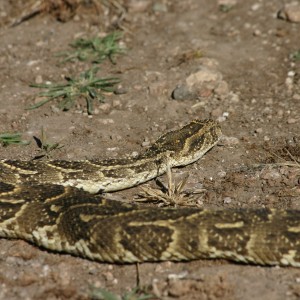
105	107
202	83
290	12
134	154
289	82
227	200
146	142
269	101
233	97
257	32
221	119
291	120
182	92
117	103
106	121
32	62
229	3
222	174
38	79
159	7
203	75
255	6
54	109
222	89
135	6
217	112
229	140
296	96
157	88
291	73
258	130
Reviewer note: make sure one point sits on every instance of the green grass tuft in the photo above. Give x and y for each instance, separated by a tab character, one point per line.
295	56
134	294
86	86
45	147
7	139
95	49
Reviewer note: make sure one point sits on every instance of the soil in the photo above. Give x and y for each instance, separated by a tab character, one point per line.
256	99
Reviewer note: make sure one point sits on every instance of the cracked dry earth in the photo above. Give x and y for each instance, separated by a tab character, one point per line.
185	59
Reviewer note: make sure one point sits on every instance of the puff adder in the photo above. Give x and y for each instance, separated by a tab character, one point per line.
58	205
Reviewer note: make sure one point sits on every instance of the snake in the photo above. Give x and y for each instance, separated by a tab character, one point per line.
61	206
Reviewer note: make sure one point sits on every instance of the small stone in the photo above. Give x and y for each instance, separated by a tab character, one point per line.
146	143
135	6
32	63
222	174
290	12
222	89
291	120
221	119
257	32
234	98
255	6
182	92
258	130
227	200
38	79
291	73
55	109
106	121
296	96
217	112
159	7
105	107
229	140
269	101
117	104
289	82
227	3
134	154
280	113
157	88
120	90
108	276
203	75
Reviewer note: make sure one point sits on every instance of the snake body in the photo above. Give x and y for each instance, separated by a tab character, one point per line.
52	204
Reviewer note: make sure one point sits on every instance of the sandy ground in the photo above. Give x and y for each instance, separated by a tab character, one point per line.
253	90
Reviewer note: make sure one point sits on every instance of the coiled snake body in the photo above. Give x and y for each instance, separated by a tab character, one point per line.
50	203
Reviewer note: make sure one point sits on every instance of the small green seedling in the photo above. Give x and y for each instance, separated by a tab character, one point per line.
86	86
296	56
134	294
95	49
45	147
7	139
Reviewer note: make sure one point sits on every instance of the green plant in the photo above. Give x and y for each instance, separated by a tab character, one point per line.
86	86
295	55
7	139
134	294
45	147
95	49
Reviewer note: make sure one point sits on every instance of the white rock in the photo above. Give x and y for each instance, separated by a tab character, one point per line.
203	75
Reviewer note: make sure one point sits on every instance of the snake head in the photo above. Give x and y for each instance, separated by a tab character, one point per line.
189	143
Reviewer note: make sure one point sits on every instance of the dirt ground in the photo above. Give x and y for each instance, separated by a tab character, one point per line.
253	90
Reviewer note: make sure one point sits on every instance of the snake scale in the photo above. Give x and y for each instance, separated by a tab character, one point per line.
58	205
